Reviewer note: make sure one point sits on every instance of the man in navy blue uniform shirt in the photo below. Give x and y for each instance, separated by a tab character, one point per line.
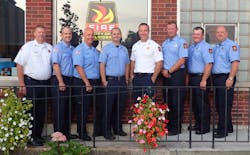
226	61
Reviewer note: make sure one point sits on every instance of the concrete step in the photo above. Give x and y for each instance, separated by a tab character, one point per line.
126	146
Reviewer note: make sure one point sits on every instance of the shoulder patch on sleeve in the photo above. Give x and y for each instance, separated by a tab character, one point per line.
185	45
77	52
234	48
210	50
56	49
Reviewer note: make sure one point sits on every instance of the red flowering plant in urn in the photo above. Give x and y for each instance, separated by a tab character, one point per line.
149	122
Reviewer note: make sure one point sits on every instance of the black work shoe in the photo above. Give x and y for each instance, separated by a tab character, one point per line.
35	143
109	137
97	134
121	133
86	138
40	139
73	136
194	128
200	132
228	131
220	135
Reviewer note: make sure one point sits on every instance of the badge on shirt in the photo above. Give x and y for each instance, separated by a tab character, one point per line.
77	52
234	48
159	48
210	50
185	45
56	50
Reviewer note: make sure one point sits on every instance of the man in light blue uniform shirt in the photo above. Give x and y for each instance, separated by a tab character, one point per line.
200	61
226	62
175	52
86	74
114	69
61	57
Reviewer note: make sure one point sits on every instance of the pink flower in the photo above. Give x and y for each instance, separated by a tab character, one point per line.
130	121
141	141
139	122
58	137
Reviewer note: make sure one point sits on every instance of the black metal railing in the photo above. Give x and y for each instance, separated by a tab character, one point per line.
241	110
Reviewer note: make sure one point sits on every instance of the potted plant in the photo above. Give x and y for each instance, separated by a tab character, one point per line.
149	122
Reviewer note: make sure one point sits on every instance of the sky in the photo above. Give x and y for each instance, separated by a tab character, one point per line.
21	4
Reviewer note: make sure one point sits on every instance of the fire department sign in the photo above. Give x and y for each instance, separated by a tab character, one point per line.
102	17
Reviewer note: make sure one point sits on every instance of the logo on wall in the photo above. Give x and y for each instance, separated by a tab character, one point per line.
102	17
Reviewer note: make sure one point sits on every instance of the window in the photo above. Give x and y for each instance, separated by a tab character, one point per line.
12	30
126	15
226	12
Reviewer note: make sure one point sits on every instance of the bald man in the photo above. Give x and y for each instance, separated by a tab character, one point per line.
86	74
226	61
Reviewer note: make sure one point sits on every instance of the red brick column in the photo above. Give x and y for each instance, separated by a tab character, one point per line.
163	11
39	12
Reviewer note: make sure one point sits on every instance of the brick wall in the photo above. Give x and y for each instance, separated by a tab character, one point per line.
163	11
39	12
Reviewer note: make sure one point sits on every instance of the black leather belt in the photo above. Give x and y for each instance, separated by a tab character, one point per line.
30	78
115	78
195	74
143	74
220	75
94	80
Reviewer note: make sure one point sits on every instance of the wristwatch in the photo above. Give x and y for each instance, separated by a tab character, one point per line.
230	78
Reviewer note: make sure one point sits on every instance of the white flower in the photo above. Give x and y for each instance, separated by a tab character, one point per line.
5	128
163	118
136	105
3	104
162	111
153	103
9	119
16	137
11	148
6	94
138	98
1	140
3	148
24	98
14	123
7	135
16	112
2	100
21	136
